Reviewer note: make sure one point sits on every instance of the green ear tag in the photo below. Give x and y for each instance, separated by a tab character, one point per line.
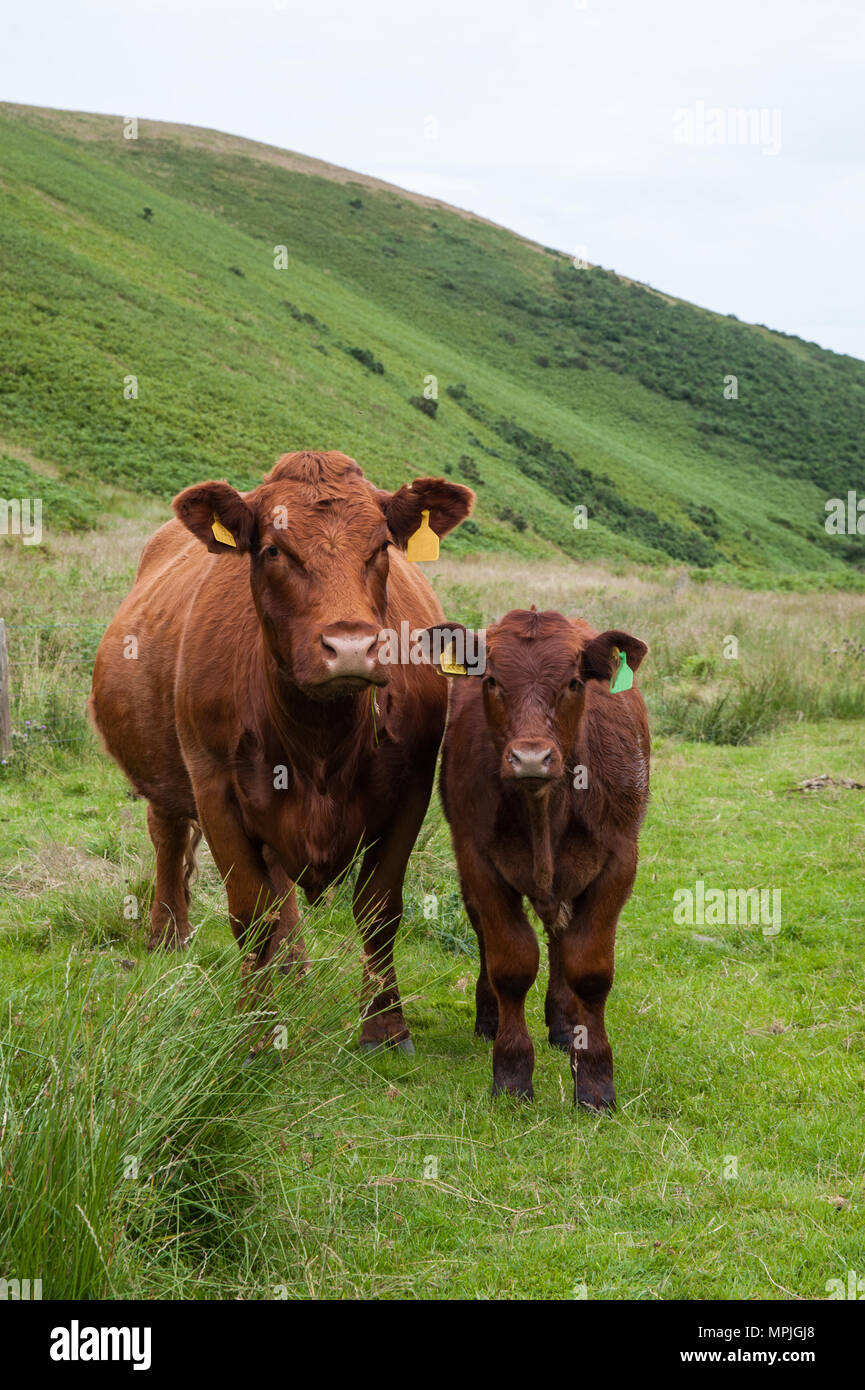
624	677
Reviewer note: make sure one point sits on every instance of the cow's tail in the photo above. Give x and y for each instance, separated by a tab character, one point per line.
190	870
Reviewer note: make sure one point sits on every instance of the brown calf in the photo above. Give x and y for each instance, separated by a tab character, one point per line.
239	689
544	780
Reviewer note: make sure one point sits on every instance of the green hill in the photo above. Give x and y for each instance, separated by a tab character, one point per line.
156	259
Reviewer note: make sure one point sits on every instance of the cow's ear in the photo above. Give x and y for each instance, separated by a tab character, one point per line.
447	503
596	658
454	650
220	518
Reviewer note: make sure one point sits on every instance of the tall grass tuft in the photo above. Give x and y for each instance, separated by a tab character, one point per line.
136	1146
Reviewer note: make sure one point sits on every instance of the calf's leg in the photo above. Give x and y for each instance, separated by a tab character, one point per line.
560	1005
587	955
512	957
486	1004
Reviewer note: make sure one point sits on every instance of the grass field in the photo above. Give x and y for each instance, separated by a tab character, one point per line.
139	1157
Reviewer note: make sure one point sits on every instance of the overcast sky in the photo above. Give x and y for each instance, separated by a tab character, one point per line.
595	124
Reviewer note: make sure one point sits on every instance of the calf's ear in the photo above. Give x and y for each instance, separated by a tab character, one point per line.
596	658
220	518
447	503
454	650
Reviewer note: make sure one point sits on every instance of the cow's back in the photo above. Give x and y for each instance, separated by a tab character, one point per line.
132	700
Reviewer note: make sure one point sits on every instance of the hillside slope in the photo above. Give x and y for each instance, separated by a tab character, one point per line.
156	259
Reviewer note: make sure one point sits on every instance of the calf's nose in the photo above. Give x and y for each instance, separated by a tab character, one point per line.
531	759
349	654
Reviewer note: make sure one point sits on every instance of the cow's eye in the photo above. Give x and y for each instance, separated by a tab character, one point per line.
574	684
272	550
491	683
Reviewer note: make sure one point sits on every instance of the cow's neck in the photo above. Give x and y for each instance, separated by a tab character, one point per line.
323	740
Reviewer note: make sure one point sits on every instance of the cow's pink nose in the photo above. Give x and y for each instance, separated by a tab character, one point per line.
347	655
531	759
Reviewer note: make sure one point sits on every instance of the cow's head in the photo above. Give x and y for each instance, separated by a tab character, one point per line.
317	535
534	688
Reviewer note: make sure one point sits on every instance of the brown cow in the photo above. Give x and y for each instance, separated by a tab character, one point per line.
544	780
239	689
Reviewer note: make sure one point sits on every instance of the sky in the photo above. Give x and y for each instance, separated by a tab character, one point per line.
712	150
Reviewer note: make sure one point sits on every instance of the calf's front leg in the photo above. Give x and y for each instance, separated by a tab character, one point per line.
510	955
587	954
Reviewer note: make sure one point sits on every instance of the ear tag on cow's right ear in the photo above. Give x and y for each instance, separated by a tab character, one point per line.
624	676
448	666
424	544
222	533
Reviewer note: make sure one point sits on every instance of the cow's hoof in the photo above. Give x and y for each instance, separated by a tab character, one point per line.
402	1044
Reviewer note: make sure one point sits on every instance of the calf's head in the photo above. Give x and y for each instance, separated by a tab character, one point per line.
316	533
534	688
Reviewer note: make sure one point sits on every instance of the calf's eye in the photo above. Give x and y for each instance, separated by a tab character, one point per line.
491	682
574	684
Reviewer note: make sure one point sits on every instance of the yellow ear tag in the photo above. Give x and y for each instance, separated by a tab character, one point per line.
448	666
424	544
222	533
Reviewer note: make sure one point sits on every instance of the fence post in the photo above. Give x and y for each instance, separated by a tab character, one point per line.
5	712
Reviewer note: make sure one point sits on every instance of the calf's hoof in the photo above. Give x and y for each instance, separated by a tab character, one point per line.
561	1038
596	1095
520	1090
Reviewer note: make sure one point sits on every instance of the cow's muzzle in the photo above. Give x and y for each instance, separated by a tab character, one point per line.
351	659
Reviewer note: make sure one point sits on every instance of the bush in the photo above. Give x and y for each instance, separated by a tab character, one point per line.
365	358
469	469
515	519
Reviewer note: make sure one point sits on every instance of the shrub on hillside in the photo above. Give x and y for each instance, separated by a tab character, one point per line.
365	358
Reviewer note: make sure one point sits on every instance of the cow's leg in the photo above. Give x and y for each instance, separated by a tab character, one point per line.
286	941
377	911
486	1004
560	1004
587	951
174	840
254	902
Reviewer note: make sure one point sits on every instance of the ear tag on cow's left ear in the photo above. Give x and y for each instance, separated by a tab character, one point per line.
222	533
448	666
624	676
424	544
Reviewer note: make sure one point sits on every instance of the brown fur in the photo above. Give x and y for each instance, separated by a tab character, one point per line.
571	852
231	683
